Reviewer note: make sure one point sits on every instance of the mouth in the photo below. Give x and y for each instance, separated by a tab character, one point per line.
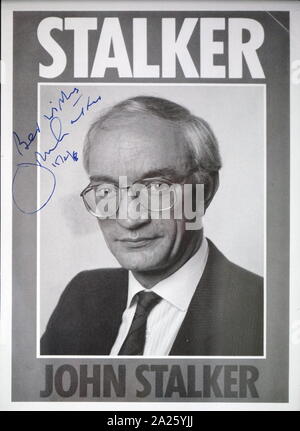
137	242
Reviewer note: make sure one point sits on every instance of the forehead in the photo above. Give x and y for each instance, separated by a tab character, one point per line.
135	145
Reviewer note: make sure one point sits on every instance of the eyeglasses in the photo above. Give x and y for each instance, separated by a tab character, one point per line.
157	194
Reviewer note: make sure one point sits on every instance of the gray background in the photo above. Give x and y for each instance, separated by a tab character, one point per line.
27	370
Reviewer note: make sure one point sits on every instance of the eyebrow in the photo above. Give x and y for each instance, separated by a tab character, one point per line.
103	178
162	172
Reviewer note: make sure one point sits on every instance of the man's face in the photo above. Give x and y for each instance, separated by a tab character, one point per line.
138	148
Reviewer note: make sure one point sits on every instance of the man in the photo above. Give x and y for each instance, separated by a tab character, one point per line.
176	294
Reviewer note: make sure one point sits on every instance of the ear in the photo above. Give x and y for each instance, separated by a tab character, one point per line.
210	188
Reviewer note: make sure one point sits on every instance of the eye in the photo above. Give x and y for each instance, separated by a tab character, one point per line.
158	187
105	191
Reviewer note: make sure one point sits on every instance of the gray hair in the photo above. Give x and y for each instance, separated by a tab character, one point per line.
199	137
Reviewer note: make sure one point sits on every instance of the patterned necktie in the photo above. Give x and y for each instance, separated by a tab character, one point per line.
135	341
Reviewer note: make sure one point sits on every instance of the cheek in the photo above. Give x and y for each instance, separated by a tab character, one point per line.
165	228
172	232
108	229
178	233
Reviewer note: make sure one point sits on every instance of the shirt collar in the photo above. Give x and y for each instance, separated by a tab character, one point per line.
180	286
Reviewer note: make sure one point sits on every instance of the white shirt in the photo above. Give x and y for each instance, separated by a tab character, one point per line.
166	317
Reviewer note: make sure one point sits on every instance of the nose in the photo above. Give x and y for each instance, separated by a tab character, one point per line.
131	214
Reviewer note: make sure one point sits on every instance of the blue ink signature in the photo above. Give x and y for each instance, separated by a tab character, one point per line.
40	158
55	126
60	103
44	169
26	144
85	108
58	135
60	159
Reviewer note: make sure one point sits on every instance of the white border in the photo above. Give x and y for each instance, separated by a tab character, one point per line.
152	84
6	222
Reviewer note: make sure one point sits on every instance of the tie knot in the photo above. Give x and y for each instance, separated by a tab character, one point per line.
147	300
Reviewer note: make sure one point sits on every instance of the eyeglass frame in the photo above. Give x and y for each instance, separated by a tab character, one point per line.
90	187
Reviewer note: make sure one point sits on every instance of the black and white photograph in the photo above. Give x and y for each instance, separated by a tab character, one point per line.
155	141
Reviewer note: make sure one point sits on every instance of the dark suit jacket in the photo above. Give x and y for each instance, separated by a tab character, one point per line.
225	316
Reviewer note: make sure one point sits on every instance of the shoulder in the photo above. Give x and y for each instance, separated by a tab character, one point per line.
246	291
242	287
90	290
87	314
247	281
97	279
240	304
234	274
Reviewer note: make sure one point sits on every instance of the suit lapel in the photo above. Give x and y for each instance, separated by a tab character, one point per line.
202	323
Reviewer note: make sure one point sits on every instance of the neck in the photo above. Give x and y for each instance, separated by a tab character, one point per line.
151	278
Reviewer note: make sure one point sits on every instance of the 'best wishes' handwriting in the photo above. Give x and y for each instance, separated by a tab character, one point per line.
53	157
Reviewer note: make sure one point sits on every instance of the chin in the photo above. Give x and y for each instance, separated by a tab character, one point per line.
138	262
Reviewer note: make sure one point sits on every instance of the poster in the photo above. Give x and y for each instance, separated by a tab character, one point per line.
133	91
